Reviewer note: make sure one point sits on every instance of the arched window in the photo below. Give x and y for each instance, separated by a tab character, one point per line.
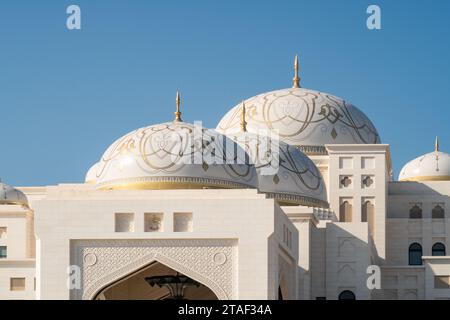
345	212
438	212
347	295
415	254
415	212
368	215
438	250
367	211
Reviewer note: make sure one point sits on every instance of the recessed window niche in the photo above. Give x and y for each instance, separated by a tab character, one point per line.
345	163
182	222
153	222
124	222
3	232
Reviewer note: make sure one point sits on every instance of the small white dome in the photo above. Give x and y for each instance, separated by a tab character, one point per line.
433	166
284	172
10	195
173	156
91	175
304	118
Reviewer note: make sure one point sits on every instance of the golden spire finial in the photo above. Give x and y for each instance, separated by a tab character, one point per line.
436	145
177	112
296	78
243	123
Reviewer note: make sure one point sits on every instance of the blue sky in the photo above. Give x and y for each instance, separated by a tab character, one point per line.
65	96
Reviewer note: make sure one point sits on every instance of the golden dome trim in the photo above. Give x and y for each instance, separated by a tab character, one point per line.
426	178
14	203
285	199
167	183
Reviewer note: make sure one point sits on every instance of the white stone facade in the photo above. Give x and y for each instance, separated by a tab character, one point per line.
311	231
241	244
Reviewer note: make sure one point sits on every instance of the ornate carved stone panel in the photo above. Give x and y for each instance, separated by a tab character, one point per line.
102	262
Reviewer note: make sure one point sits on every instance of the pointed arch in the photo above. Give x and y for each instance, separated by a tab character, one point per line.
438	212
438	249
347	295
93	291
345	212
415	254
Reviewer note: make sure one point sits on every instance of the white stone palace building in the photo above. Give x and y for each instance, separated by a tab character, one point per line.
145	223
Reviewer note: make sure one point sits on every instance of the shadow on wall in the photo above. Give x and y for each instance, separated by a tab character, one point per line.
348	255
402	194
407	188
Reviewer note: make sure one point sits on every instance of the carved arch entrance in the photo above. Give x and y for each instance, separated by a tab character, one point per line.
104	262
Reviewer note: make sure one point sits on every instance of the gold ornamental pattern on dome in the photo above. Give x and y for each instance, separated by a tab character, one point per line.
286	162
303	117
284	172
164	151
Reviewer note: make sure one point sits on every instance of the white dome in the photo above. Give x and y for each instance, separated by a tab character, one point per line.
91	175
10	195
284	172
433	166
161	157
304	118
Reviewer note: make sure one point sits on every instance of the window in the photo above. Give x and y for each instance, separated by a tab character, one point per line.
367	182
438	250
3	232
153	222
442	282
3	252
124	222
345	181
17	284
438	212
347	295
345	163
182	222
345	212
415	254
367	211
367	163
415	212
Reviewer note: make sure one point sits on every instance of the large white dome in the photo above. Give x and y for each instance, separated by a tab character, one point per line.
304	118
91	175
10	195
172	156
284	172
433	166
